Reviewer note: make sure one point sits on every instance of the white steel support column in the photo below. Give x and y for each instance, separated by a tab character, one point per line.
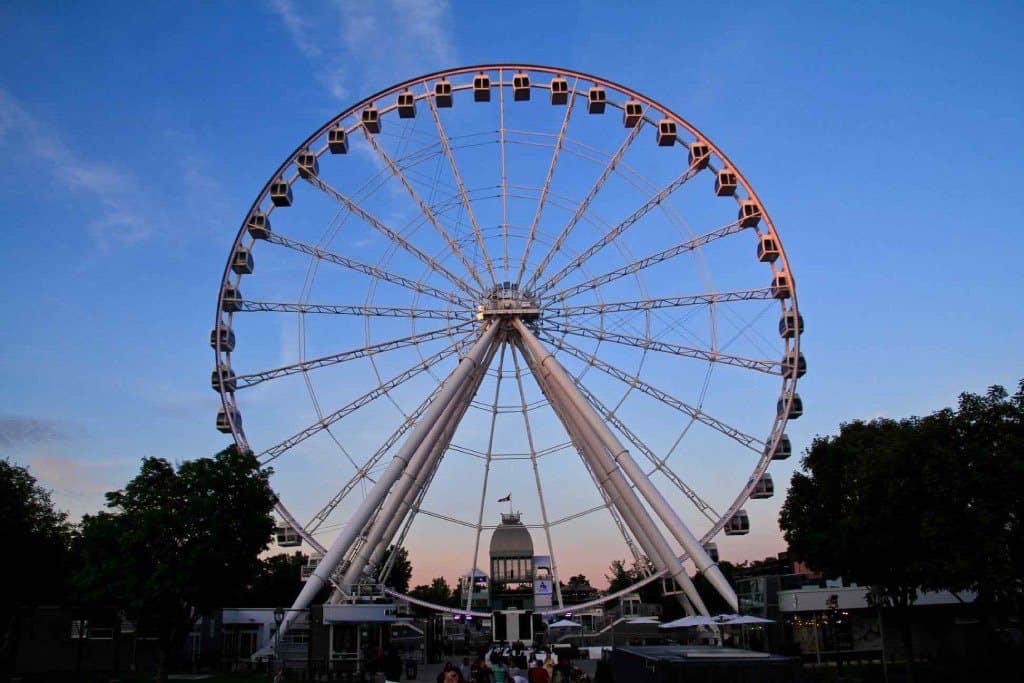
623	497
456	380
623	459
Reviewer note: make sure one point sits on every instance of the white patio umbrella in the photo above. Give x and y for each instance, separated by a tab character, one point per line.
687	622
565	623
643	620
746	619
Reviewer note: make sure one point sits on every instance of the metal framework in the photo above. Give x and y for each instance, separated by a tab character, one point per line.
516	253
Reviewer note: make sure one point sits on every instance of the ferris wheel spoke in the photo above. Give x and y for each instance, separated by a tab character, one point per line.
254	378
504	168
381	389
427	212
583	206
632	380
771	367
648	261
533	461
639	305
620	228
660	464
250	306
391	234
366	269
559	143
466	203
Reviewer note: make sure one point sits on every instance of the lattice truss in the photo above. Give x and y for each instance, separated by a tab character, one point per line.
509	280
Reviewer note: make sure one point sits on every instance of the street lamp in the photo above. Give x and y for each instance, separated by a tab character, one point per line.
278	619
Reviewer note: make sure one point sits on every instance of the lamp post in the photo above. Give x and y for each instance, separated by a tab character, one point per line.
278	619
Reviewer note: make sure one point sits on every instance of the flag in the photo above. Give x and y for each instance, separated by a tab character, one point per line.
506	499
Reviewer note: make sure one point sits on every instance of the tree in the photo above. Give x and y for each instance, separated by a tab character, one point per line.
401	569
178	542
437	592
41	536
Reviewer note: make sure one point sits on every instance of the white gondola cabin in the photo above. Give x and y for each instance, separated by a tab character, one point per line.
337	140
725	182
712	550
749	214
232	299
632	114
700	154
597	99
443	93
781	288
783	449
666	133
307	569
521	87
767	249
406	105
796	407
738	524
794	365
222	338
559	90
242	261
287	537
259	225
222	378
765	487
281	193
224	424
482	88
307	163
371	119
790	324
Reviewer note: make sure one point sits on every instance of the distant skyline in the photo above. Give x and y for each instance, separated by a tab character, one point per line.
885	141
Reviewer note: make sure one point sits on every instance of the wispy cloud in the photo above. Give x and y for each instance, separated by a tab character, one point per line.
28	431
356	47
123	217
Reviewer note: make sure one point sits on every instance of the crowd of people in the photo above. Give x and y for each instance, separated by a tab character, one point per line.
509	664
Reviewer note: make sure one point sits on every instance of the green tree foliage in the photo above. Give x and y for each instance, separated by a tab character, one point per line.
41	537
401	569
277	583
178	542
437	592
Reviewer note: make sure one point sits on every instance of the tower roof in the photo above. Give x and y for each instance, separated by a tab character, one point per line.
511	538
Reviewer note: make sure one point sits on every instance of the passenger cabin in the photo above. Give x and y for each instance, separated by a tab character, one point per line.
790	324
796	407
783	449
231	300
700	154
287	537
242	261
281	193
712	550
666	133
765	487
738	524
781	285
749	214
306	570
482	88
725	182
443	93
371	119
337	140
222	337
307	164
632	114
767	249
224	424
222	378
521	87
406	105
258	225
597	98
794	365
559	90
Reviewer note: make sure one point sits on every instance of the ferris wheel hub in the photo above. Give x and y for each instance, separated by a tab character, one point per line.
507	300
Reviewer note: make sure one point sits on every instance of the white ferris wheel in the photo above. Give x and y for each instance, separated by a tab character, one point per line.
509	279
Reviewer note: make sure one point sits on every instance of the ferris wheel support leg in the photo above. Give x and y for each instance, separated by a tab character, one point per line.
609	476
414	476
623	459
465	369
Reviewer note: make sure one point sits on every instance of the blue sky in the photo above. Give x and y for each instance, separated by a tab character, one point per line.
886	142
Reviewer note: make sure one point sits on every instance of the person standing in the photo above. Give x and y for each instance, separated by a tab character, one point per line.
538	674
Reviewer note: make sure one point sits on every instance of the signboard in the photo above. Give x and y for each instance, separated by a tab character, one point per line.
543	581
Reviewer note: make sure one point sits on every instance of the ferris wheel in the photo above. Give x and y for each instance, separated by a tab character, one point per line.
509	281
